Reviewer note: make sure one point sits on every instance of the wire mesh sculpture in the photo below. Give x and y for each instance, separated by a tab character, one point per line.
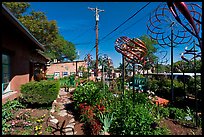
88	58
134	51
192	13
192	16
167	31
161	59
161	24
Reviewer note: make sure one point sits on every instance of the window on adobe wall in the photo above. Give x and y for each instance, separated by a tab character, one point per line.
64	74
56	75
5	73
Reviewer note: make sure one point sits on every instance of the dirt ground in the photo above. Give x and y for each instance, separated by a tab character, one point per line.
32	115
177	129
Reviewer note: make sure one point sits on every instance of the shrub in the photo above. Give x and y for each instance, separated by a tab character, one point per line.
191	86
176	113
134	119
43	92
153	85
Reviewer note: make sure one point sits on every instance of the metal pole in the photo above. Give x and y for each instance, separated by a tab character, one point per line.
172	86
202	78
123	73
133	83
157	69
196	102
88	70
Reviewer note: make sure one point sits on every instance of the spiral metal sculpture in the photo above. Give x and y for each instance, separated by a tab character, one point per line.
163	55
133	50
161	23
193	17
192	13
88	58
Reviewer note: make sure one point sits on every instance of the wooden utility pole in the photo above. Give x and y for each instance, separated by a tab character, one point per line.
96	10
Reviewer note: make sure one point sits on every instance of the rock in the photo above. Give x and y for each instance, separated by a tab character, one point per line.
52	110
54	121
69	133
69	115
61	93
70	125
52	117
69	129
61	107
71	120
63	113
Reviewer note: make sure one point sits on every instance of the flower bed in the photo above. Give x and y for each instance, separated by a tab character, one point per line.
99	109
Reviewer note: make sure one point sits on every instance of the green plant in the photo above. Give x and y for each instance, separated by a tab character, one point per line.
176	113
8	115
48	129
106	120
89	92
134	118
164	112
43	92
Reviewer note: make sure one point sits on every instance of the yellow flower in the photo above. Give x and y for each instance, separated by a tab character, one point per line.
36	128
40	133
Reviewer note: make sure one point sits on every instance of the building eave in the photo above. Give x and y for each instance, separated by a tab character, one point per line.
23	29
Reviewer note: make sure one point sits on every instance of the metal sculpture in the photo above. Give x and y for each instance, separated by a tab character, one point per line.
134	51
165	29
88	58
162	59
192	13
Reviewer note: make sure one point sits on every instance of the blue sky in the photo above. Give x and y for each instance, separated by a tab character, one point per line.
77	24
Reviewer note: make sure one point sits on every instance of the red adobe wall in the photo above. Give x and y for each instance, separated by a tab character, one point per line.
65	67
21	51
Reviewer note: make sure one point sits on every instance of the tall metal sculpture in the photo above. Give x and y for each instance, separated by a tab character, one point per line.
163	28
134	50
88	58
161	59
193	15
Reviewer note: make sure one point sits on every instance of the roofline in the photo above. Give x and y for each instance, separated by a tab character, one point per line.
20	26
189	74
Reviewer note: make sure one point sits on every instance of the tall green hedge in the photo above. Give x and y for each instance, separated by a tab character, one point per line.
43	92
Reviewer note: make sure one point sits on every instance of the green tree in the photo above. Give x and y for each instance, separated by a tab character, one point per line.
151	49
187	67
45	31
17	8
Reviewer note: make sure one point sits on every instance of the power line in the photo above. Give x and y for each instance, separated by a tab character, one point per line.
128	27
125	21
122	24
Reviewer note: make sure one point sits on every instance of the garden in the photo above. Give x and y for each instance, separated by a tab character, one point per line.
100	109
129	104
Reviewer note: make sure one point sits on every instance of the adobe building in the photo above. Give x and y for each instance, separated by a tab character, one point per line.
62	69
21	55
